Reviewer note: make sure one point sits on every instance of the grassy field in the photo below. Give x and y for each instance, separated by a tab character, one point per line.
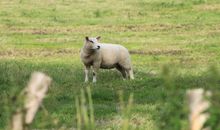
173	43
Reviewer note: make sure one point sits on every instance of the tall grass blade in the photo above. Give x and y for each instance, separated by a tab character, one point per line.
91	110
78	114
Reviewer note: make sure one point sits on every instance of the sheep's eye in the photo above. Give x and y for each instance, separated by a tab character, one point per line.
91	41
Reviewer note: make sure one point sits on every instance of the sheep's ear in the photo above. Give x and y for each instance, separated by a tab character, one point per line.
98	38
87	38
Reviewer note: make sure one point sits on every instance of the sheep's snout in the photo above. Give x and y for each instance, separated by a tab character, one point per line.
96	47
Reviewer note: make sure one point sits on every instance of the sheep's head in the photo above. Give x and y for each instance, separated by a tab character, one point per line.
92	43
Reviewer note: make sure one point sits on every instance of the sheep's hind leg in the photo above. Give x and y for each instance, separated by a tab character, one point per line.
122	70
130	73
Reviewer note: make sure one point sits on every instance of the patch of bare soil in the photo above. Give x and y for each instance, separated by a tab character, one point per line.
37	52
43	31
212	7
158	52
98	28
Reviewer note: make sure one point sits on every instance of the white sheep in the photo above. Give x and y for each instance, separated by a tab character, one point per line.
105	56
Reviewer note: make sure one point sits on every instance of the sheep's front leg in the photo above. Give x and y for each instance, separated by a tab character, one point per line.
95	71
87	73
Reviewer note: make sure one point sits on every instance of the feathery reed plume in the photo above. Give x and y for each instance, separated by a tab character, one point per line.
32	98
36	91
197	105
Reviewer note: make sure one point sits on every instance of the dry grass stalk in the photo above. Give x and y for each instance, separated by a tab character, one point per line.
197	105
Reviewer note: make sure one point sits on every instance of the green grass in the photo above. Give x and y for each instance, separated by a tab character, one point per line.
47	36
